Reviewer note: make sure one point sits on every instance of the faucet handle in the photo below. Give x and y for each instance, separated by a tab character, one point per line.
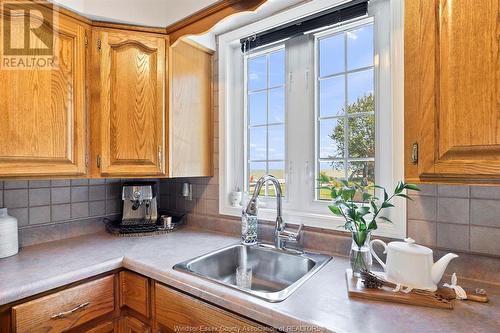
293	236
299	230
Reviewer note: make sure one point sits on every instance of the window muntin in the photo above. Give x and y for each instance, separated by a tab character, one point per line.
265	117
345	113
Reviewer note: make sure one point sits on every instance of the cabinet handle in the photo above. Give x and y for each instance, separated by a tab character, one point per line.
160	158
67	313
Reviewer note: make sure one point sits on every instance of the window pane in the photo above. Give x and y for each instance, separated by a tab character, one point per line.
277	68
277	169
332	96
276	105
258	142
257	104
255	171
331	55
276	142
360	47
257	73
330	172
362	172
362	136
331	140
359	85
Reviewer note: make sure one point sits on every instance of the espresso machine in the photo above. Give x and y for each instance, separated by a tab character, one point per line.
140	212
140	207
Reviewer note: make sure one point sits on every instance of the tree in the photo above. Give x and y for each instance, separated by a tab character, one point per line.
361	138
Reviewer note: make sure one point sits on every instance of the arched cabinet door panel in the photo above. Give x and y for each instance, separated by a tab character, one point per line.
42	96
129	109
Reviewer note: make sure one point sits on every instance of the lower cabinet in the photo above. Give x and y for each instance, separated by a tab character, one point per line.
178	312
123	302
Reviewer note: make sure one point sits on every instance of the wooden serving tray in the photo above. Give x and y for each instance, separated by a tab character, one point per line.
356	288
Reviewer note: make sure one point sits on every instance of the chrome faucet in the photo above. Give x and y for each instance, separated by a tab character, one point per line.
281	235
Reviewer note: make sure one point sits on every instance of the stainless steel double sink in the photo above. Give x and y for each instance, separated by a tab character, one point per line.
276	274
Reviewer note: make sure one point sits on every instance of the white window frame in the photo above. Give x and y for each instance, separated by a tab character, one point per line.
388	73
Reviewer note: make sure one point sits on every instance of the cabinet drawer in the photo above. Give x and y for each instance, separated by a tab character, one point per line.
65	309
179	312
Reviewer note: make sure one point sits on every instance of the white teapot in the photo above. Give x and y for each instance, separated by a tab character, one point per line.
412	265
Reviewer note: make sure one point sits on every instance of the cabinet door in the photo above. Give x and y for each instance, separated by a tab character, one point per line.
176	312
133	325
452	67
134	292
191	111
131	106
42	109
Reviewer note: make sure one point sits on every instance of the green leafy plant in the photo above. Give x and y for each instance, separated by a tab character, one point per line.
360	208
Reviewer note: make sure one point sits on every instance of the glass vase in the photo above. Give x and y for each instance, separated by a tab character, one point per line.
360	256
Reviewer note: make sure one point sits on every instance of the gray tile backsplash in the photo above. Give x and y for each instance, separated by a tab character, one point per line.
39	197
15	198
79	193
424	232
485	212
60	195
456	217
43	203
422	208
453	210
485	240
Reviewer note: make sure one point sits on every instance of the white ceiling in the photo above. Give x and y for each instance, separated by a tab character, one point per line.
162	13
153	13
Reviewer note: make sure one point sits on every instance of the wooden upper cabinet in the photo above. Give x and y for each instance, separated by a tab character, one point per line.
42	110
191	111
129	103
452	90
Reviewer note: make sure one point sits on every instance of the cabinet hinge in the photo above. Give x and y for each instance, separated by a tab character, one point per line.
86	41
414	153
99	44
98	161
86	160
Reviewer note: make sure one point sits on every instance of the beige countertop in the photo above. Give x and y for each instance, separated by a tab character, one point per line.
321	302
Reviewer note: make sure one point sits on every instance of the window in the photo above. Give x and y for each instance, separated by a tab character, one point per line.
320	106
345	107
265	109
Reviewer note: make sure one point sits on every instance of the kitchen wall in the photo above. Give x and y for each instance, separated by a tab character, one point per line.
54	209
465	219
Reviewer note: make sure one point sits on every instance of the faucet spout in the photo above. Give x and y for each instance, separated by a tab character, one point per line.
252	205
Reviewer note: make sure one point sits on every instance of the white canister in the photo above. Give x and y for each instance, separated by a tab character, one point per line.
8	234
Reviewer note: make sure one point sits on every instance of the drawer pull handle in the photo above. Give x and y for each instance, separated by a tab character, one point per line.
66	313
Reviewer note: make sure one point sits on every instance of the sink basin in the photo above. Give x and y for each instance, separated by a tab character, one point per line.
276	274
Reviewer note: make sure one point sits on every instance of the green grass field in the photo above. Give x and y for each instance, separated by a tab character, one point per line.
280	175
